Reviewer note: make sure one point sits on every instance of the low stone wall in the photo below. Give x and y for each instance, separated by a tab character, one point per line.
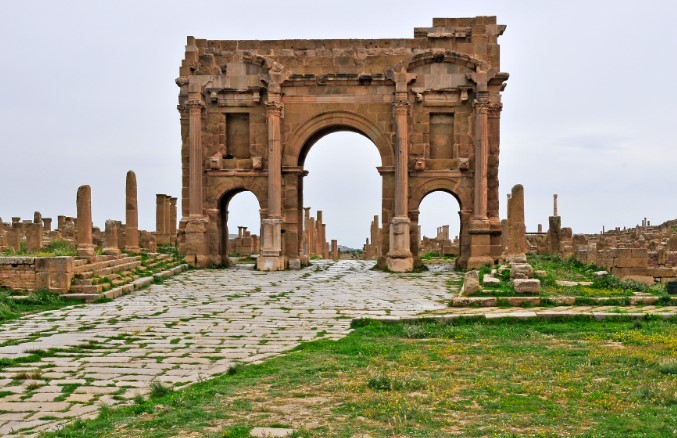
32	273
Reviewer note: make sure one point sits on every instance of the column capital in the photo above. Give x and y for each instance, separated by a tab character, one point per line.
274	108
195	104
481	105
401	107
495	110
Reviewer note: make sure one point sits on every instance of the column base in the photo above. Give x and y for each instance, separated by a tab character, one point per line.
111	251
270	263
87	251
133	250
294	264
400	264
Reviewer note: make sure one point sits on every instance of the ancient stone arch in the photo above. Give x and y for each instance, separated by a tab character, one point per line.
251	110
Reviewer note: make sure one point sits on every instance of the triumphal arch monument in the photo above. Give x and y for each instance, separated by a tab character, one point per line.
431	104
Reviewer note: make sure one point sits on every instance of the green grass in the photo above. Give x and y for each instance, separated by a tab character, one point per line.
37	301
571	270
466	378
52	249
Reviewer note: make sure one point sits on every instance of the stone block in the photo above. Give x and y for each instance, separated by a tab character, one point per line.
474	302
490	281
471	283
521	271
520	301
527	285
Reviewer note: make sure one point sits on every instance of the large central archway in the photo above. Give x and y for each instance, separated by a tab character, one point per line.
251	110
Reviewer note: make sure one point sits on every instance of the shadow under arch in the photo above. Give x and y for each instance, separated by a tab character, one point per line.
223	202
451	187
305	136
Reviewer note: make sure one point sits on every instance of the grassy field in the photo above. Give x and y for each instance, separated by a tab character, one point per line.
535	378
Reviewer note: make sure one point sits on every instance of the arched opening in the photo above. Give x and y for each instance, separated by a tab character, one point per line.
439	227
239	227
342	182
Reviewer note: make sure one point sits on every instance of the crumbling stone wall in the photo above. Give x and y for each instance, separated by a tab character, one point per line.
31	273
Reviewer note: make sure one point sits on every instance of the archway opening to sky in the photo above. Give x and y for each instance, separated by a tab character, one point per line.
440	224
344	183
241	222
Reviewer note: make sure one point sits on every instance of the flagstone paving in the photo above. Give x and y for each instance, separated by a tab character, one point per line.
192	327
200	323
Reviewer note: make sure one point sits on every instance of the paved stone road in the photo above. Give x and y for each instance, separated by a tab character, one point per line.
194	326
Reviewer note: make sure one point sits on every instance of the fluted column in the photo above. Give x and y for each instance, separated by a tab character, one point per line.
273	113
399	257
271	252
195	105
481	157
400	113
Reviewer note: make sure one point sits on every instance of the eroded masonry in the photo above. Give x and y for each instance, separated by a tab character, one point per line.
251	111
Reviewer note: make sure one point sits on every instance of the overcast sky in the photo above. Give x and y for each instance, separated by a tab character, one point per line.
87	92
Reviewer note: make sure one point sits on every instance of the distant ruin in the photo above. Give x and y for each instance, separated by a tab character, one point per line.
109	253
251	111
644	253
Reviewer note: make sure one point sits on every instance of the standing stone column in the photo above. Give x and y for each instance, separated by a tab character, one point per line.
131	216
335	254
399	257
325	244
33	237
47	224
167	214
172	220
85	247
516	227
271	258
111	239
162	219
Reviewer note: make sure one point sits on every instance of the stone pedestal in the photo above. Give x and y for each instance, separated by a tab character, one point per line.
195	245
399	258
480	244
271	258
